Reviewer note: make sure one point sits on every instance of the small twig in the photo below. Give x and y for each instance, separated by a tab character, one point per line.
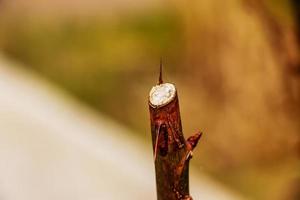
171	151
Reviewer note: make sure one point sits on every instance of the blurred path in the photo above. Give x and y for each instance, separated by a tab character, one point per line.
54	148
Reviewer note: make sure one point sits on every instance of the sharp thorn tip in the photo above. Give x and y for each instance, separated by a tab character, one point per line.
160	80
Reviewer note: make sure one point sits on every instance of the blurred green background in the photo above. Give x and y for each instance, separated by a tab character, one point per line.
235	64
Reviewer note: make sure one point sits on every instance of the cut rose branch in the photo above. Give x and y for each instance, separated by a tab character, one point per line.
172	152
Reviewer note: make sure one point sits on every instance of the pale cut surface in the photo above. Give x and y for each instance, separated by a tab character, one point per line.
162	94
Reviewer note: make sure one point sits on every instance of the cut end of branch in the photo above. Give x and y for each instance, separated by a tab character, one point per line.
162	94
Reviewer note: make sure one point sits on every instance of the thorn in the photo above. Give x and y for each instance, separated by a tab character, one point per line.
160	80
193	140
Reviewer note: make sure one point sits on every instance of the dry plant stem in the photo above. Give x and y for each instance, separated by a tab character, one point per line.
171	151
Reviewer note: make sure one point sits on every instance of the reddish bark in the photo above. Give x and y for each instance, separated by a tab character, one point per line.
171	151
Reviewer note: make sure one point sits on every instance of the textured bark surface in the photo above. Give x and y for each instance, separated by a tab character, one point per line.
171	151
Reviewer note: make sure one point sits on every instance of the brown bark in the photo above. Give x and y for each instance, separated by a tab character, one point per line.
171	151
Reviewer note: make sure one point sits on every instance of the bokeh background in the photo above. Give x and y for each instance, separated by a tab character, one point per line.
236	65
